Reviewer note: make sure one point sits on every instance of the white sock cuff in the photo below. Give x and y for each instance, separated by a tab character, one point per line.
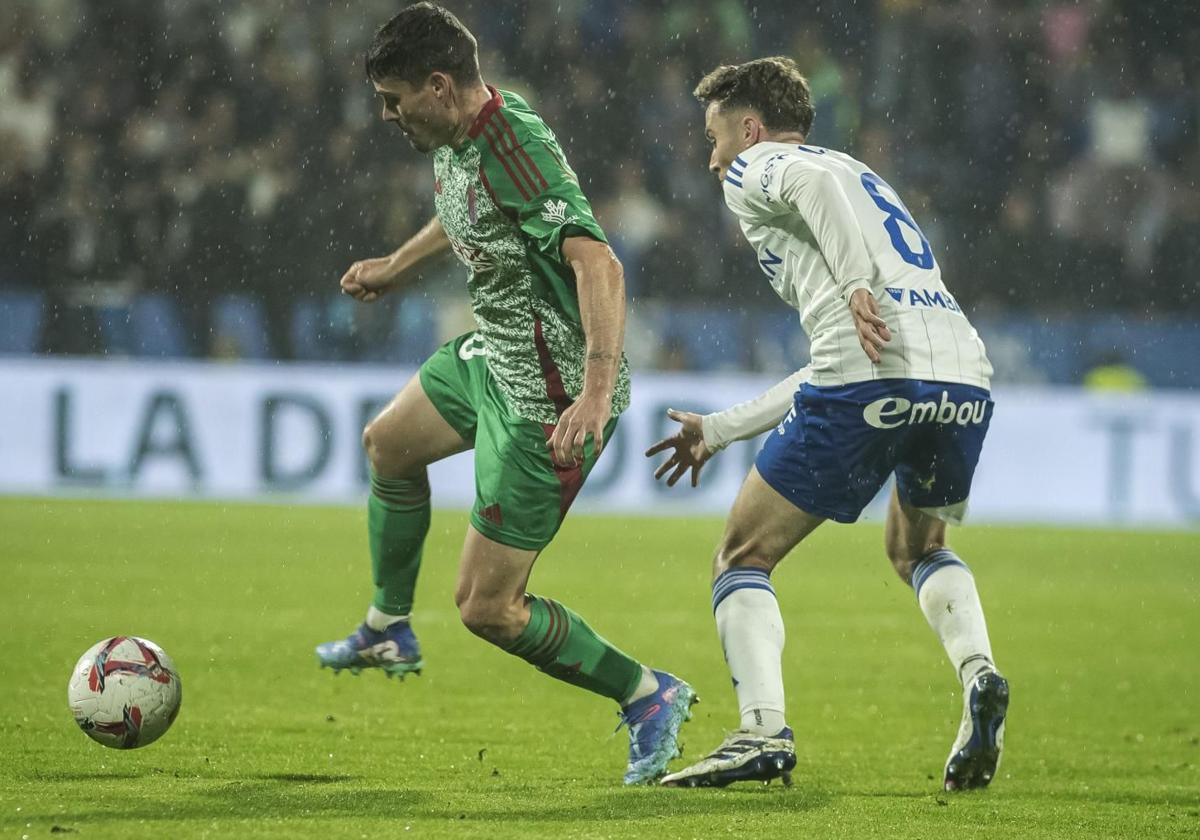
732	580
939	558
377	619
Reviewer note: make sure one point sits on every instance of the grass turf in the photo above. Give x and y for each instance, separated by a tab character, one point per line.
1097	632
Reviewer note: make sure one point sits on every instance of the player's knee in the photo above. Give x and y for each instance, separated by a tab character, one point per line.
370	441
741	554
495	620
383	453
904	556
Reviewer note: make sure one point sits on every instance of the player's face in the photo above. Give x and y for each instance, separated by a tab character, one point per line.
730	134
417	112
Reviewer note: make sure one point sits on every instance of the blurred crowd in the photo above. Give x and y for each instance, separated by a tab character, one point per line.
196	149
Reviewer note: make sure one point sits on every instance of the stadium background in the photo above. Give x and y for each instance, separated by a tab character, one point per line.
199	195
195	198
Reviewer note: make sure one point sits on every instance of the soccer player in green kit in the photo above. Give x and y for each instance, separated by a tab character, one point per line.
535	391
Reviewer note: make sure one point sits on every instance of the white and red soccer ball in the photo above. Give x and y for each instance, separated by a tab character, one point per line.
125	692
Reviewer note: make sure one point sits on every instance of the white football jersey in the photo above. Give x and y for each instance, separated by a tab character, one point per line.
823	225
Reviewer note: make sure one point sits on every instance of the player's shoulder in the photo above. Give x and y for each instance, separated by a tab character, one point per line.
525	124
754	175
752	166
508	126
519	154
758	161
766	157
507	123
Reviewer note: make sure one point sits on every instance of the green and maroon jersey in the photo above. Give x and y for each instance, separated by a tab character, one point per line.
507	199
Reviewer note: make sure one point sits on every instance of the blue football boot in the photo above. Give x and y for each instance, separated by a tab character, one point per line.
654	723
394	650
975	755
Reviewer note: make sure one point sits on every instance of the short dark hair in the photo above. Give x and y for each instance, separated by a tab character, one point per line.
772	86
423	39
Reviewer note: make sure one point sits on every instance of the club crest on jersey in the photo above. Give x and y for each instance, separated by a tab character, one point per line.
476	258
472	205
555	212
924	297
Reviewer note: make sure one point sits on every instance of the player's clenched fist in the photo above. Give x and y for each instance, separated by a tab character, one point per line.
368	279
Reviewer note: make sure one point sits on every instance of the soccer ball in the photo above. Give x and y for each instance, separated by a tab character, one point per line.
124	692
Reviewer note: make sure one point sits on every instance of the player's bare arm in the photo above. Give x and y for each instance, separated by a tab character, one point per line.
600	281
366	280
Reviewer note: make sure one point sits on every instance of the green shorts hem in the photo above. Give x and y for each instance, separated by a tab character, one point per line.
505	536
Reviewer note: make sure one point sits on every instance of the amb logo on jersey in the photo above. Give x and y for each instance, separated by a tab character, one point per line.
924	297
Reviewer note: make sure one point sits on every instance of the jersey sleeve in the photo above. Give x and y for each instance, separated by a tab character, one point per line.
530	180
753	417
815	194
787	183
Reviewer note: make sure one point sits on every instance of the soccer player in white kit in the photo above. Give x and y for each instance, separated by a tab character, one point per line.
898	382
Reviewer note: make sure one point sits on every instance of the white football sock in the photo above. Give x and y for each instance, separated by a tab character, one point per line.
751	630
645	687
379	620
946	592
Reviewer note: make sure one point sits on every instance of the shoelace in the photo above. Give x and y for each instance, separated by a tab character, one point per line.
731	745
623	720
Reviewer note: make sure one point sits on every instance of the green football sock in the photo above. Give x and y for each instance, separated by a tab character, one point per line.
559	643
397	522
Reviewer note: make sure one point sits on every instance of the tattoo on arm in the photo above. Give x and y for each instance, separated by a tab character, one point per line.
600	355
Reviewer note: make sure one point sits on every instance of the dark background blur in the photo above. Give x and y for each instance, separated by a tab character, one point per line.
191	178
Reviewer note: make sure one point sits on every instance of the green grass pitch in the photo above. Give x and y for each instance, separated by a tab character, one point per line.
1098	633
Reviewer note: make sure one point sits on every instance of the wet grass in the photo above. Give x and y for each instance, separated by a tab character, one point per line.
1096	630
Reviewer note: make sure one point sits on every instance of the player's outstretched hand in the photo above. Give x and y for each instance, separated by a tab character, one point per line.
873	332
588	415
689	451
366	280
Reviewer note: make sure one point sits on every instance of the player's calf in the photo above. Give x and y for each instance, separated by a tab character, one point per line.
499	621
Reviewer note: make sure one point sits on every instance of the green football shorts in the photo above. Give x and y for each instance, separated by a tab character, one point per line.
521	497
